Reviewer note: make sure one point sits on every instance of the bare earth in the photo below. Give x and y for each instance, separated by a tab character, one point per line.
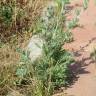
84	41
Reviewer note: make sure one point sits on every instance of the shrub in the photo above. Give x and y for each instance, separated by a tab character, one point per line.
85	4
18	17
52	69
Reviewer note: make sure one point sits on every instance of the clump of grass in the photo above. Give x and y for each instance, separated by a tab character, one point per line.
93	55
85	4
51	70
17	17
74	22
17	20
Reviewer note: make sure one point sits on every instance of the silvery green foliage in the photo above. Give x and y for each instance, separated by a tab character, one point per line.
74	22
85	4
52	21
93	54
52	68
95	2
55	61
48	12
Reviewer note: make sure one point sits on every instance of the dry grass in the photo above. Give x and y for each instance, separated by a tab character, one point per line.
25	14
17	35
8	55
14	36
32	9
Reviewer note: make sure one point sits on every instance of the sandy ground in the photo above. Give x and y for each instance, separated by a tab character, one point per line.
84	41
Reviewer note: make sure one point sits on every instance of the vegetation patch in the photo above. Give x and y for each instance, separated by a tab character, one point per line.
50	71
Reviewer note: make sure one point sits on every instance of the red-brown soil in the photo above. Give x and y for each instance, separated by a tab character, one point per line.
84	41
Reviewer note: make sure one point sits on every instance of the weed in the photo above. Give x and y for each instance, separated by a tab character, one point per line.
85	4
52	69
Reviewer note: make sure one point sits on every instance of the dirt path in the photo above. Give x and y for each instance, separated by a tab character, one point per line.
85	39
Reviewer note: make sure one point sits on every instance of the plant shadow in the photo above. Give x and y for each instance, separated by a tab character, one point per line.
79	67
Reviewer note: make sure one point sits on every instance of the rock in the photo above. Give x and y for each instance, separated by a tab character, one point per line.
35	47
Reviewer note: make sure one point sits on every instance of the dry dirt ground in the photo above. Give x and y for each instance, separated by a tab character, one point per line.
84	41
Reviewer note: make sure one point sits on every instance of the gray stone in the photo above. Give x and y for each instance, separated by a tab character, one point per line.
35	47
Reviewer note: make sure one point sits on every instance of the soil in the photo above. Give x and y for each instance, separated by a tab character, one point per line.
84	42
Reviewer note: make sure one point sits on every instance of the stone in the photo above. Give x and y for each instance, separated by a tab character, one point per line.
35	47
